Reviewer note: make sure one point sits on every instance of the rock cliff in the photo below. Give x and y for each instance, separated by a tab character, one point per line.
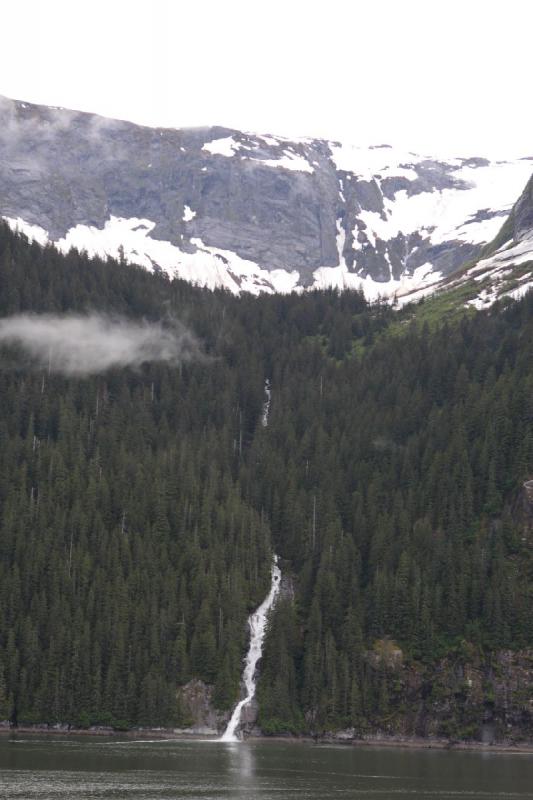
247	211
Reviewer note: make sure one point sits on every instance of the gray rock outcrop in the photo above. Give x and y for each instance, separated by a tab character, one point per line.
232	208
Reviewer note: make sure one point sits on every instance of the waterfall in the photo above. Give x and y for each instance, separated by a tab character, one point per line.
257	625
266	404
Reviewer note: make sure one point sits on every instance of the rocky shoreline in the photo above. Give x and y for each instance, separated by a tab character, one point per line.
336	738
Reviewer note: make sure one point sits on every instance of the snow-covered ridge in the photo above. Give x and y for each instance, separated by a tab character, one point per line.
211	267
474	214
501	274
249	212
507	273
286	158
130	239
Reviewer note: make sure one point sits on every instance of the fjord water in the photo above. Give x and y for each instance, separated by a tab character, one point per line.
86	768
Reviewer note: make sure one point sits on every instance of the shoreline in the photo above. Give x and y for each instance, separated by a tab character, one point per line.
381	742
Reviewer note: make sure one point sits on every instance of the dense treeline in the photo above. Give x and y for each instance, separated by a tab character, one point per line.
390	486
139	510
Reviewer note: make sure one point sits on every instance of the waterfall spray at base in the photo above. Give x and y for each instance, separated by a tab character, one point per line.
257	624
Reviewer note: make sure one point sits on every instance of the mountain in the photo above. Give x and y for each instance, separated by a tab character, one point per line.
141	503
245	211
504	268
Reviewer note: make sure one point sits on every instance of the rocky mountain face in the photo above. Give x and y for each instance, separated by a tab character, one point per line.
246	211
466	696
504	269
522	215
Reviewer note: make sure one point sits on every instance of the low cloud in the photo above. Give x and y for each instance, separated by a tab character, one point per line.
82	345
30	135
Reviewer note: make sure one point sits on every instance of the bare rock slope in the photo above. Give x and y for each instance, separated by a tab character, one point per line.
246	211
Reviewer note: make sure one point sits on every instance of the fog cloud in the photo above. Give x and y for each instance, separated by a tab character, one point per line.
81	345
32	136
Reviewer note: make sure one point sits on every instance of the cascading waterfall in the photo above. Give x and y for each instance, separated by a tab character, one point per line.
257	623
266	404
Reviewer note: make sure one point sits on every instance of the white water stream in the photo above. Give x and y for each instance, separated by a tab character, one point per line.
266	404
257	623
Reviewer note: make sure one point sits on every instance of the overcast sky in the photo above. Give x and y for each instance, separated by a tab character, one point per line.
439	76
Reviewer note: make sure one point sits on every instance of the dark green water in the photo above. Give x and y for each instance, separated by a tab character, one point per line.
49	768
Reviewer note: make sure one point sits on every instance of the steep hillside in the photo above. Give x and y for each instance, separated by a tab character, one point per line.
503	270
247	211
141	501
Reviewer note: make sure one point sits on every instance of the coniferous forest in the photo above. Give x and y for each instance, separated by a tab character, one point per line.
139	508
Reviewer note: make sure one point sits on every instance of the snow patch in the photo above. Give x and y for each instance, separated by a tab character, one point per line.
249	276
518	253
368	162
520	291
222	147
447	215
188	214
422	279
450	214
270	141
497	269
208	266
34	232
288	160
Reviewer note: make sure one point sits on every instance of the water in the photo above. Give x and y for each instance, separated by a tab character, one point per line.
85	768
266	404
257	624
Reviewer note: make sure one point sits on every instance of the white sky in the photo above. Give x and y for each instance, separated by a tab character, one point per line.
439	76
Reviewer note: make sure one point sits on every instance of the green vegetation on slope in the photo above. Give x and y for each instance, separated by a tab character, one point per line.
138	510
